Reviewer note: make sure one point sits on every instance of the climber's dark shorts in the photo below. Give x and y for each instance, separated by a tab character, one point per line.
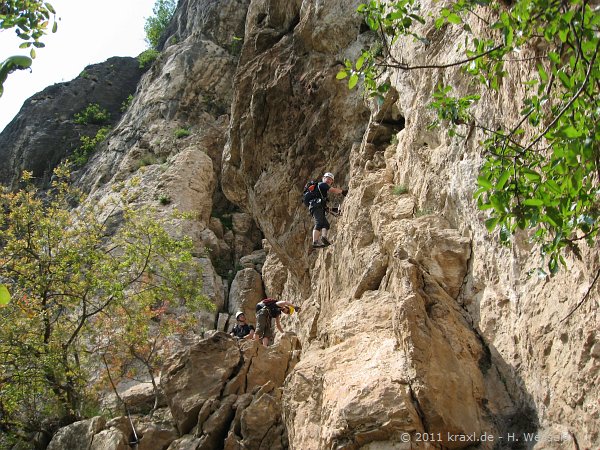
264	327
318	213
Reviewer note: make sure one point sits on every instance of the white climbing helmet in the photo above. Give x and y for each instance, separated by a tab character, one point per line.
329	175
238	314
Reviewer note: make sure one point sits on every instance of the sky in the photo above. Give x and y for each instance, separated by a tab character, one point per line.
89	32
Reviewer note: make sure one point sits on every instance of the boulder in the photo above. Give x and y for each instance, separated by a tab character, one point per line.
246	291
80	435
198	373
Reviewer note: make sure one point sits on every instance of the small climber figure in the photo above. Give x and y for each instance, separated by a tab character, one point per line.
242	329
267	310
318	206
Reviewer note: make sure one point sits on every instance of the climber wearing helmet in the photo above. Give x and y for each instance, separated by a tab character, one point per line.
242	330
318	207
269	309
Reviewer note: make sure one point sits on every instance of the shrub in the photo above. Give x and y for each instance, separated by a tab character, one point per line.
182	132
93	113
88	145
126	103
399	189
147	57
149	159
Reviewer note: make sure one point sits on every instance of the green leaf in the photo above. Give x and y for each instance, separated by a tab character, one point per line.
352	81
508	37
4	295
491	223
588	47
531	175
562	34
553	186
542	73
533	202
341	75
554	57
570	132
484	182
360	61
502	180
454	18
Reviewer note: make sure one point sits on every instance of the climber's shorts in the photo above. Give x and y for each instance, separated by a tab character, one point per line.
318	213
264	328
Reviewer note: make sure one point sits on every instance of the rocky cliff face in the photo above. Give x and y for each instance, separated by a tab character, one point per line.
44	131
417	329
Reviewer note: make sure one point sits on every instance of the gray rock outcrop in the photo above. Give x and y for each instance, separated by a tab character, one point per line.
44	132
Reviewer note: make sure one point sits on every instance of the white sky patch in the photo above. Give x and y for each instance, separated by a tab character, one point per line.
89	32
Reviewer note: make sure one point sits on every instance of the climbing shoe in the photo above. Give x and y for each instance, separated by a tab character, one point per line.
325	241
318	245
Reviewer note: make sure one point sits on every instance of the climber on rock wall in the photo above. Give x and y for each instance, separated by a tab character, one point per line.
317	206
267	310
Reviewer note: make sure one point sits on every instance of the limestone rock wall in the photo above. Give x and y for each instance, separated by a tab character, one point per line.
415	320
166	151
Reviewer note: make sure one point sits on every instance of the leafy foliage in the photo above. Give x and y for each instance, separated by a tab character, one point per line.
30	19
155	26
93	113
4	295
126	103
79	290
11	64
182	132
82	154
542	173
147	57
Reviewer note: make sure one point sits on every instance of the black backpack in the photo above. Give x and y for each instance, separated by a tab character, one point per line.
271	305
311	191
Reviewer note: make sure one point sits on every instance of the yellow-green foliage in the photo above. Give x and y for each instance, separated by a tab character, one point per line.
79	291
88	145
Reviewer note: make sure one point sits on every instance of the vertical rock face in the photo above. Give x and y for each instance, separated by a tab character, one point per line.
415	320
290	119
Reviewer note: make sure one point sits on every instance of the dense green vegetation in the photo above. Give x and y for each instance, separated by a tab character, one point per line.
88	145
92	287
147	57
155	26
182	132
541	173
92	113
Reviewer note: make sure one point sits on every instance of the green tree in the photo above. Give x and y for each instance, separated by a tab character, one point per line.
155	26
542	173
84	280
31	20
